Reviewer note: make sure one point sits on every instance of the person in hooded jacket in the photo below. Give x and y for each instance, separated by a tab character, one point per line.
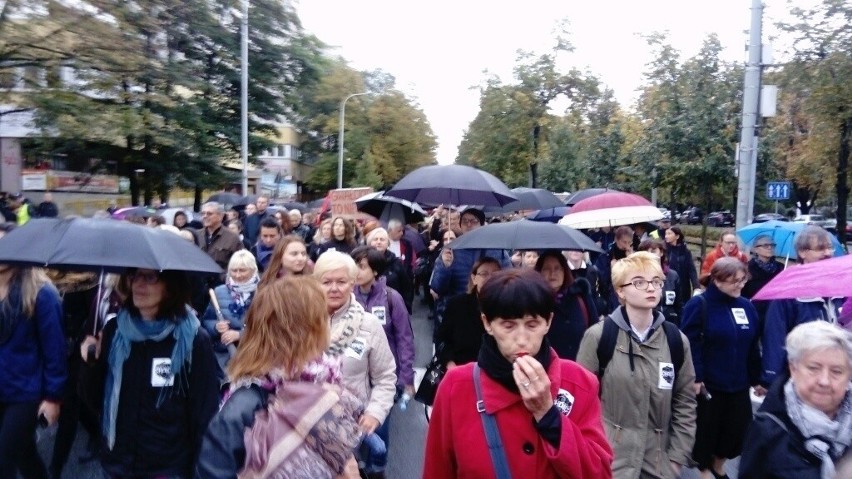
648	407
575	309
724	332
803	429
812	244
397	275
728	246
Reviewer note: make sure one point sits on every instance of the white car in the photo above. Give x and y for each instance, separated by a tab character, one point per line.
816	220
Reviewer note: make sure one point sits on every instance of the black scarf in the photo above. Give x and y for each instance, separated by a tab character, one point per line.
10	311
498	368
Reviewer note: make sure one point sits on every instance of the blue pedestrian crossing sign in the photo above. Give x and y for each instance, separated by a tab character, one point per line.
778	190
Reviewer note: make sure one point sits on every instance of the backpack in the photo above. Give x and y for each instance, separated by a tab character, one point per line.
606	346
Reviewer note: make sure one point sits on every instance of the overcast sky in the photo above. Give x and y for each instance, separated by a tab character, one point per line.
438	50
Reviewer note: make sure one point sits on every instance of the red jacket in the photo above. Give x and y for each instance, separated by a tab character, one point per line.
456	445
716	254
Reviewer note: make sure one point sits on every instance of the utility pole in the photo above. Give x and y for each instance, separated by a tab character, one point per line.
244	94
747	167
340	137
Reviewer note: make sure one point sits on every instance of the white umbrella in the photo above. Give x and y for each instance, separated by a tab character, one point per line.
621	215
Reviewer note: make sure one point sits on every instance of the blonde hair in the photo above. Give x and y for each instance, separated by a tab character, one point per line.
286	327
243	258
625	268
333	260
32	280
375	232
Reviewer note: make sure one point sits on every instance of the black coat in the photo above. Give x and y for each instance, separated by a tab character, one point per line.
151	441
680	260
461	331
759	278
399	277
571	320
774	448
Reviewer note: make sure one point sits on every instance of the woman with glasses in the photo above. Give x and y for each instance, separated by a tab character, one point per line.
459	336
154	381
723	331
762	267
812	244
647	398
728	246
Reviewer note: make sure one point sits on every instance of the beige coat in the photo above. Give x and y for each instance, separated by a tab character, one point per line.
368	360
646	428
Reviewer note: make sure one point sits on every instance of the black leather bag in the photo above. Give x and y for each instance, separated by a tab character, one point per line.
429	384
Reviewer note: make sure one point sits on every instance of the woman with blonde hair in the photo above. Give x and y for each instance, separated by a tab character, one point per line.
321	236
281	368
32	356
290	257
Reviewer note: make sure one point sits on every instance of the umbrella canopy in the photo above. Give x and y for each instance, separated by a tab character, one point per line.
626	215
452	185
225	197
612	199
525	234
532	199
386	208
783	234
552	215
141	211
295	205
101	245
581	195
824	279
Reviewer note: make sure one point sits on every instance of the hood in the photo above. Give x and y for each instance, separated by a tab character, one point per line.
619	319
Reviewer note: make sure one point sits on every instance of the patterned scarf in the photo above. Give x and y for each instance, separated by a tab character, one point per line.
241	294
345	324
825	438
131	330
324	369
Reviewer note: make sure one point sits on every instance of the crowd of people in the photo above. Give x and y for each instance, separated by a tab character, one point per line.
631	363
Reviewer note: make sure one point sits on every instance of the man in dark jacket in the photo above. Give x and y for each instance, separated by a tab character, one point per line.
270	235
47	208
251	228
216	240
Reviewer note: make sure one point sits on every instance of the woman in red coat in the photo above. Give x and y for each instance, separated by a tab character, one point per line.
547	409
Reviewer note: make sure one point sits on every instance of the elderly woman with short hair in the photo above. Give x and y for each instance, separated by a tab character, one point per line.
396	274
804	425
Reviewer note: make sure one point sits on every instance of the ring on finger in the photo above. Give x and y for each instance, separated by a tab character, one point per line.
526	384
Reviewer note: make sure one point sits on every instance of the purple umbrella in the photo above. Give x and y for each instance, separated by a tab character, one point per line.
825	279
587	193
452	185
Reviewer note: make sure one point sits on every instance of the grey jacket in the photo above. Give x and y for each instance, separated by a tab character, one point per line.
646	427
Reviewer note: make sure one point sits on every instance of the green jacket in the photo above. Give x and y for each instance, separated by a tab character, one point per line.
645	426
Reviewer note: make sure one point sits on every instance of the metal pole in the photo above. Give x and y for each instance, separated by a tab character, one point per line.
340	137
244	95
748	140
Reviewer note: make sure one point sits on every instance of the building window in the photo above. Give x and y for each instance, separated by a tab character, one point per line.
281	151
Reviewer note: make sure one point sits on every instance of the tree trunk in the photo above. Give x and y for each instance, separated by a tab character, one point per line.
196	203
843	178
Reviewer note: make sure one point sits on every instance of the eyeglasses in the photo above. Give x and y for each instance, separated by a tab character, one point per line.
765	245
737	282
641	283
145	277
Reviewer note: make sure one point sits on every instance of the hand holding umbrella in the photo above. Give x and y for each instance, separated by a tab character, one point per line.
221	324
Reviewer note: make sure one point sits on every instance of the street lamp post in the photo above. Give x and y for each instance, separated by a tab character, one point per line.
244	94
340	137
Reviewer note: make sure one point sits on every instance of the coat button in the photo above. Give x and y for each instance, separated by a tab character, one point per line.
528	448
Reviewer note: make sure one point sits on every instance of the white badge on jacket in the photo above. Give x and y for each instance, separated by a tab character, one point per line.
667	376
670	298
740	316
564	402
161	373
380	313
356	348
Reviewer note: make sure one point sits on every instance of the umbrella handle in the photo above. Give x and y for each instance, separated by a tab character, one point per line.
232	350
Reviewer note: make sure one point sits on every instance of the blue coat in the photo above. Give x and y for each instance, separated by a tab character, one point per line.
209	320
781	317
726	354
33	359
452	280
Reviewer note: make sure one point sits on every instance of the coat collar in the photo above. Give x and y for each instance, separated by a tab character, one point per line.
497	397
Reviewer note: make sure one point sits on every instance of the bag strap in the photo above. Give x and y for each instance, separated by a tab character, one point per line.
675	345
606	345
492	435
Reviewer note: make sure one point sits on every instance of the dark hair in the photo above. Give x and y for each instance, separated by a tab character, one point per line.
176	294
623	231
679	232
185	218
270	222
375	259
726	268
568	280
158	220
515	293
483	260
655	244
236	223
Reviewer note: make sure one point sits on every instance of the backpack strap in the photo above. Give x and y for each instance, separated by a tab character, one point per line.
606	345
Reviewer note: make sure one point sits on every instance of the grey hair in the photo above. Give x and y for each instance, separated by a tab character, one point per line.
374	233
811	232
333	260
216	206
394	224
817	336
295	211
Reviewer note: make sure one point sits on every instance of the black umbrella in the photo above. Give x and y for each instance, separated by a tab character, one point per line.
533	199
386	208
587	193
295	205
225	197
101	245
452	185
525	234
552	215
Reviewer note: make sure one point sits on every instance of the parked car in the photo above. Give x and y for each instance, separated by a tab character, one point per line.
721	218
816	220
691	216
764	217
